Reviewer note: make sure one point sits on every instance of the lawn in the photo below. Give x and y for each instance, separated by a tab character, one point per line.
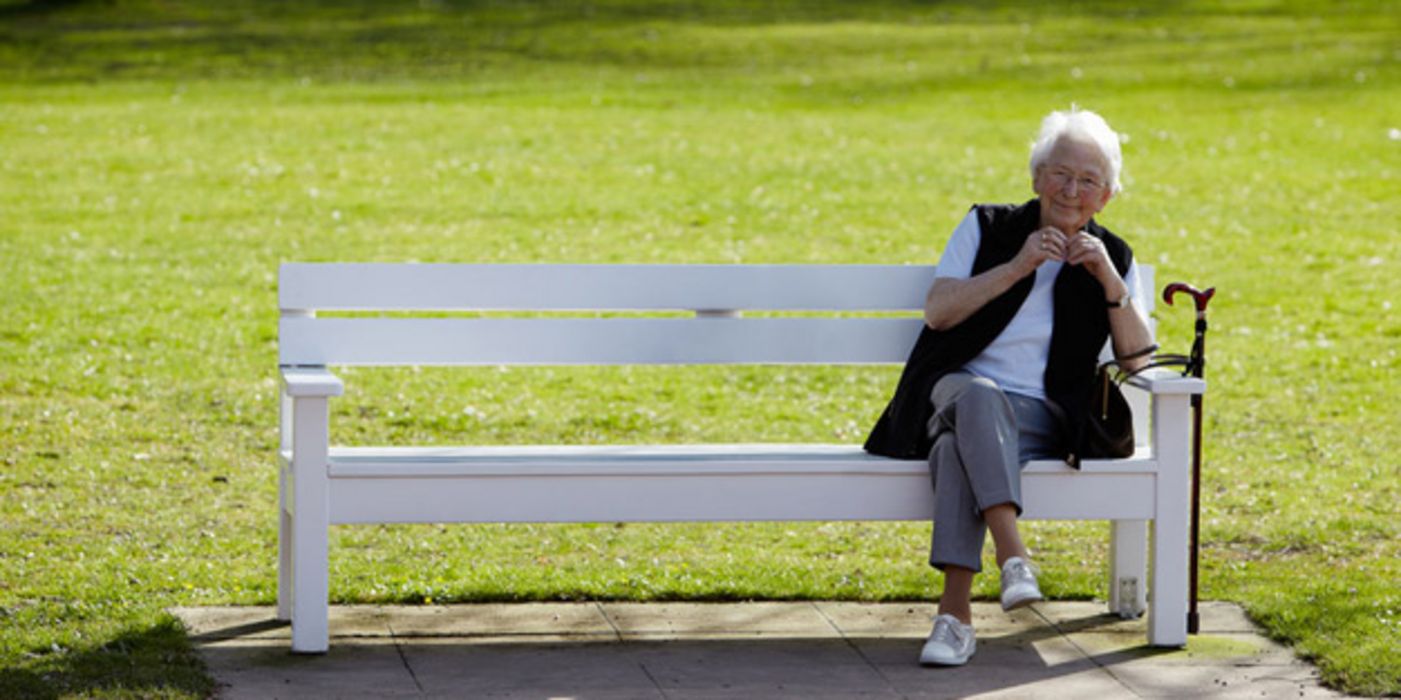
158	160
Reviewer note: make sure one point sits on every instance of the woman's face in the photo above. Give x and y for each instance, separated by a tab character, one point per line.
1073	185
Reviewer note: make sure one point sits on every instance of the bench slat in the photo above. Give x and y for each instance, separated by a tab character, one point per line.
543	287
715	499
525	341
600	485
656	460
396	286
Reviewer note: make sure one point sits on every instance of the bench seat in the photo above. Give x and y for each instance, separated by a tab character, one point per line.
677	483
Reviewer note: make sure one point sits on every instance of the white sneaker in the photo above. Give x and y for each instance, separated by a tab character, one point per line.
1019	587
950	644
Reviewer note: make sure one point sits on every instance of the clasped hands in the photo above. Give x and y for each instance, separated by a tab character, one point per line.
1050	243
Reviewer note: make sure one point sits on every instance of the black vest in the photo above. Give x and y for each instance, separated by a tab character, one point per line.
1081	326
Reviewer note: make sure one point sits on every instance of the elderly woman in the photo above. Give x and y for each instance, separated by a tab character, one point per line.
1022	303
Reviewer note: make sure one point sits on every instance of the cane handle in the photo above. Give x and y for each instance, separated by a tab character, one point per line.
1199	297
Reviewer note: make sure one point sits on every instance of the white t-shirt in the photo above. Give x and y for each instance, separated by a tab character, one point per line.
1017	358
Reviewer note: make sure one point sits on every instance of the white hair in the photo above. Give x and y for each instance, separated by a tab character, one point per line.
1084	125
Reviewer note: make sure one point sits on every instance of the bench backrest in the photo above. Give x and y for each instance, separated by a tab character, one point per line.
715	295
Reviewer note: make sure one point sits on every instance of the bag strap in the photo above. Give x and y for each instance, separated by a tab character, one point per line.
1119	376
1137	353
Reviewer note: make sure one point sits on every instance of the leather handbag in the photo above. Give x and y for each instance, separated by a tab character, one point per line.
1109	429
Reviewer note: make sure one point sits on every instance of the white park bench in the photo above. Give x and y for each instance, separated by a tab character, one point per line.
321	485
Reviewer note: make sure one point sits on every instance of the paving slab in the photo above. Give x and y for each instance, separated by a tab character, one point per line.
500	621
1072	615
448	668
672	620
1221	681
757	668
265	669
914	620
683	651
249	622
1023	665
1206	648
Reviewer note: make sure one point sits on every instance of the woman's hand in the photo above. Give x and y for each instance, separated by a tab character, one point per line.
951	301
1084	249
1049	243
1043	244
1127	326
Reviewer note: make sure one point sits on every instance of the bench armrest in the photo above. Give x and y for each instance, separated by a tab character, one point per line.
311	381
1168	382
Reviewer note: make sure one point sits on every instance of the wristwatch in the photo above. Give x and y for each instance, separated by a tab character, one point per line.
1119	303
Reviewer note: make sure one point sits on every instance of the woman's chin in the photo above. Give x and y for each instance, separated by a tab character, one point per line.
1061	223
1067	222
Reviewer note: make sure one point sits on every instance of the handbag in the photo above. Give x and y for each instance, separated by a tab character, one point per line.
1109	428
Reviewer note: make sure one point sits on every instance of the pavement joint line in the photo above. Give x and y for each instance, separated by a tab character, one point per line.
404	659
1083	652
842	633
618	637
830	622
617	633
647	672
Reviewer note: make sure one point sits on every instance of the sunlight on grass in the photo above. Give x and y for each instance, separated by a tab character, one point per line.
158	161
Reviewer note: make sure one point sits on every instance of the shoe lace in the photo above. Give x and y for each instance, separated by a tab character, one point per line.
946	632
1021	570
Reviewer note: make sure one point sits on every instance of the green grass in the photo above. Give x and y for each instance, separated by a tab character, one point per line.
157	161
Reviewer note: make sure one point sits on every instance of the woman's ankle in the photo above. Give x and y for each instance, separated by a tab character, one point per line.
964	615
1002	557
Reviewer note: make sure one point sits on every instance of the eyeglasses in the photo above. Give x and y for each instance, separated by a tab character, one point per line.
1064	176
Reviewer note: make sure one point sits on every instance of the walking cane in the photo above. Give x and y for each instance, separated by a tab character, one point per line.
1196	363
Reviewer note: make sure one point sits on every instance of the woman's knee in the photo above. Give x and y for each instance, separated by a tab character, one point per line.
983	396
981	387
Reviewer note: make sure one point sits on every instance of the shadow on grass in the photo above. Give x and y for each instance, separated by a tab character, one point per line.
867	45
35	8
156	661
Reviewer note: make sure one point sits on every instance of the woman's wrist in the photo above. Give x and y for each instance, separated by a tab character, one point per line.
1114	289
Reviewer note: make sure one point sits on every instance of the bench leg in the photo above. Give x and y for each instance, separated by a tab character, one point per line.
1128	568
309	525
284	550
284	517
1167	617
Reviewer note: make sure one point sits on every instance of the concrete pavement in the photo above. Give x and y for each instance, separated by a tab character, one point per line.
743	650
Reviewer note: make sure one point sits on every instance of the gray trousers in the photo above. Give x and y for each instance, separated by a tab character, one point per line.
982	439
